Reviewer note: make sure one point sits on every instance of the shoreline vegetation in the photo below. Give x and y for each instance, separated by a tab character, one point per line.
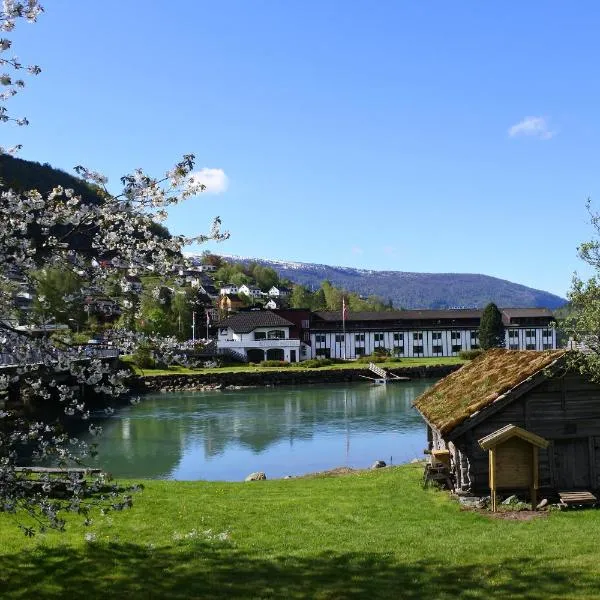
392	365
374	533
181	378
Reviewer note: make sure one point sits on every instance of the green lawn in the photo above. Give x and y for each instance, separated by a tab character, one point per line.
366	535
405	362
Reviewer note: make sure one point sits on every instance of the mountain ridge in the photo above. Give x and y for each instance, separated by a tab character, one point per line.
412	290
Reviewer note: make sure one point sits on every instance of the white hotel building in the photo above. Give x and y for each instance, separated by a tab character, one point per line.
424	333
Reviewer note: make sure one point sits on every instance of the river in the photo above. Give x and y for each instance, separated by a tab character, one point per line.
225	435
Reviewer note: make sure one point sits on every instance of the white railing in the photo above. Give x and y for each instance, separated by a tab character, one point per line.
258	344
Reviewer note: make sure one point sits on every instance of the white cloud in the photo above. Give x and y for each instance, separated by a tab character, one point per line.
215	180
532	127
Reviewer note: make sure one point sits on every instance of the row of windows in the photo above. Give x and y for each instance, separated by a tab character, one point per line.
417	336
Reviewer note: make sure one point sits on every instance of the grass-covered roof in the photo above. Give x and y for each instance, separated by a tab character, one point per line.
479	383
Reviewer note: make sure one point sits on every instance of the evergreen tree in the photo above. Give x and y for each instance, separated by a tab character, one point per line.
491	328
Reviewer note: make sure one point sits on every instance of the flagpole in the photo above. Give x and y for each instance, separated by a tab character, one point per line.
344	324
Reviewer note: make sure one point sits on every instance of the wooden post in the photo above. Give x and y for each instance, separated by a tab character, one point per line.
493	478
535	479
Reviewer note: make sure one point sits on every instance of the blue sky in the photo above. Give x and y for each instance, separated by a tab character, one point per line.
413	136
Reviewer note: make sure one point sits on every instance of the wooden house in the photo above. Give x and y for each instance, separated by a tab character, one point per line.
534	391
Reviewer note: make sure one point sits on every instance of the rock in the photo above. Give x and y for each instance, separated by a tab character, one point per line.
511	500
257	476
378	464
542	504
288	477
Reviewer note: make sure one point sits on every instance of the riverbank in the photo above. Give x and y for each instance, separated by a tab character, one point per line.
372	534
215	378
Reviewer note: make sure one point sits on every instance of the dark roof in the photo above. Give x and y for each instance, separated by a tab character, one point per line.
245	322
416	315
495	374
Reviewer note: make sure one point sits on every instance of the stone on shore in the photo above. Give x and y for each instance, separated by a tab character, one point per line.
257	476
378	464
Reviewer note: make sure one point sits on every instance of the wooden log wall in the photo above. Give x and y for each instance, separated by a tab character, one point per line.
564	410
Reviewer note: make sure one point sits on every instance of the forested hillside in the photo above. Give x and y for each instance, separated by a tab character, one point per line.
415	290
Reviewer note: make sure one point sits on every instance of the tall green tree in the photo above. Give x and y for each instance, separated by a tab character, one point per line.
491	328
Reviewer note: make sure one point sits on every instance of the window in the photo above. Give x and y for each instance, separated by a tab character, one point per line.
399	350
513	346
305	324
474	335
359	337
547	346
436	349
547	332
417	349
323	352
455	335
456	347
530	332
307	336
276	334
359	350
339	337
223	331
320	338
417	335
378	337
398	337
530	347
260	335
436	335
513	333
474	347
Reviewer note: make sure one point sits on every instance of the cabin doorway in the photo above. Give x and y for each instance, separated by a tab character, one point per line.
572	464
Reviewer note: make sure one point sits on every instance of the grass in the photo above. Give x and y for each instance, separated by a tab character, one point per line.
458	396
405	362
374	534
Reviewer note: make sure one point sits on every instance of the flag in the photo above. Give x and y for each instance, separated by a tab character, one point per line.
344	310
207	318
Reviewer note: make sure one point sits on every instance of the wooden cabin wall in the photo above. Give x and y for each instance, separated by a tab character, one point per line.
564	410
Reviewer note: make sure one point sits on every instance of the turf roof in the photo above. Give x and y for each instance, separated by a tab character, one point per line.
479	383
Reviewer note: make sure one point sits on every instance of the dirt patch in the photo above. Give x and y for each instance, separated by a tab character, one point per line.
511	515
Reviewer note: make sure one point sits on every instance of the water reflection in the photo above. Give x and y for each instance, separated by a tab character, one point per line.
226	435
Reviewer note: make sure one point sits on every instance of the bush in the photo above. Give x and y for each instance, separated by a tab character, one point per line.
314	363
381	351
274	363
469	354
143	357
394	359
372	358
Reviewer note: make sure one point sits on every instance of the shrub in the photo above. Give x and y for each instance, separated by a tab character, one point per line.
381	351
372	358
314	363
143	357
394	359
274	363
469	354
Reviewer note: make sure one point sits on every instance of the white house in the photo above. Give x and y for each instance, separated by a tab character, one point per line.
230	288
251	291
278	292
259	335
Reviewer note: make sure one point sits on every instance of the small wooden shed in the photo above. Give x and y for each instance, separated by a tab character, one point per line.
513	461
534	391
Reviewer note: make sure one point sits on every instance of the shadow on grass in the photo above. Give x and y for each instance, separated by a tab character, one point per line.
206	571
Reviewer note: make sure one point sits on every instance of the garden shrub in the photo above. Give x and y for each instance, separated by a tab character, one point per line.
469	354
143	357
274	363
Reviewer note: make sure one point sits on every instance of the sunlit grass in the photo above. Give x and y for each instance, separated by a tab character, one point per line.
404	363
371	534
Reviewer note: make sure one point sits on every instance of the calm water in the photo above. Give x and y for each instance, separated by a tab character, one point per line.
225	435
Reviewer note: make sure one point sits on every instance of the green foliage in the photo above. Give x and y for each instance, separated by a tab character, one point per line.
491	328
371	358
381	351
58	296
143	357
469	354
314	363
274	363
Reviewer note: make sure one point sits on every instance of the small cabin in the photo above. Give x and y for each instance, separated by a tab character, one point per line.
536	392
